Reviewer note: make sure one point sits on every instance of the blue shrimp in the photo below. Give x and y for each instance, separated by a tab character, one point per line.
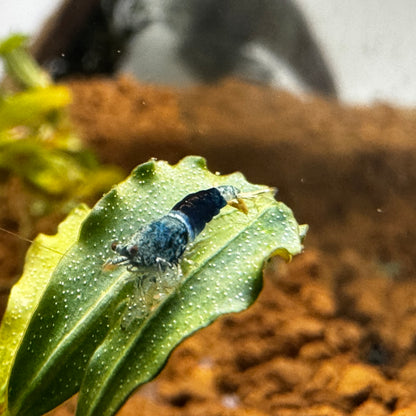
162	242
158	247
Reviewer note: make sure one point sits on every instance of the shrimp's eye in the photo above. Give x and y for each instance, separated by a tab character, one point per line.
133	250
114	245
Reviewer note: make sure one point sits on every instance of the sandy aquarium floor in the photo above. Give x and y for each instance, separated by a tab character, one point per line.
333	332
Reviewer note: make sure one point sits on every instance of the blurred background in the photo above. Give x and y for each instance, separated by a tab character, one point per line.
363	49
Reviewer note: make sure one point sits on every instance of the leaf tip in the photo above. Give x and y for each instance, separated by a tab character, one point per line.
12	42
145	171
194	161
303	230
283	253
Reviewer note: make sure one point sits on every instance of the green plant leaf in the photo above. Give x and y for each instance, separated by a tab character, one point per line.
25	295
54	171
76	338
20	64
33	107
37	141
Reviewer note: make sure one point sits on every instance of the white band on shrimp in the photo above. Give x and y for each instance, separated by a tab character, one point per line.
185	220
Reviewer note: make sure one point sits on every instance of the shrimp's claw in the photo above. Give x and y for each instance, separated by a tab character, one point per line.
108	266
239	204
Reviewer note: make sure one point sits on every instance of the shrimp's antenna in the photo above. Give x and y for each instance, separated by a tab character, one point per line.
16	235
252	194
28	240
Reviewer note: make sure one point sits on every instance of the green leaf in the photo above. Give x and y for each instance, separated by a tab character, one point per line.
76	339
12	42
54	171
25	295
20	64
34	107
